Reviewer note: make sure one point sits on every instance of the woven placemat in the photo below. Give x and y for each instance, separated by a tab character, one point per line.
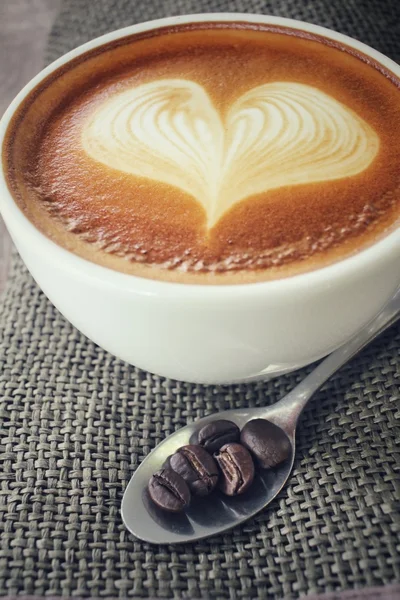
75	422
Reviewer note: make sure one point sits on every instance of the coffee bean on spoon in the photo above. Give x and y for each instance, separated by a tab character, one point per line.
218	433
267	442
169	491
197	467
237	469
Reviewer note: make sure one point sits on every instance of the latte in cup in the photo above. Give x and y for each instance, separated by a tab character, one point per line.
211	153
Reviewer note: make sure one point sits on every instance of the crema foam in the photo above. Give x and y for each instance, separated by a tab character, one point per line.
211	154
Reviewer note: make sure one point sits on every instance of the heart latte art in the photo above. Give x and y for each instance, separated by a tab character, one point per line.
277	134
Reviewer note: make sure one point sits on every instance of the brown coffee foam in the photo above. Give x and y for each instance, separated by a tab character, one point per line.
145	227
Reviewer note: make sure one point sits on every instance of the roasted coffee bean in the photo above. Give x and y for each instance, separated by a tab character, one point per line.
169	490
197	467
267	442
218	433
237	469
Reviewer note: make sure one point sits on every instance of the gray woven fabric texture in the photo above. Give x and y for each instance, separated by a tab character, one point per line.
75	422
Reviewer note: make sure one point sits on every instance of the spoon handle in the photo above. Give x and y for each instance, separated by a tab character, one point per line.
294	402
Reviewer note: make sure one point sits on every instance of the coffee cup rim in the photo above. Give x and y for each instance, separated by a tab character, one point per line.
16	220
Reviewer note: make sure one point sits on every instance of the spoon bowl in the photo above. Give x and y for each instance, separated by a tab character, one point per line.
205	516
217	513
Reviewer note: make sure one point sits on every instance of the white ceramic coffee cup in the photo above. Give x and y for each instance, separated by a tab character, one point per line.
199	333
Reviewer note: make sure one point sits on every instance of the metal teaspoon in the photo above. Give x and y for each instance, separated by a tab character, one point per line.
209	516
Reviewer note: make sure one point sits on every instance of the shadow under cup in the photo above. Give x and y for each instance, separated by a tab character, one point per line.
208	333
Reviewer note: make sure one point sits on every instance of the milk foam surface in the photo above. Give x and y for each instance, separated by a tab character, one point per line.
277	134
211	154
